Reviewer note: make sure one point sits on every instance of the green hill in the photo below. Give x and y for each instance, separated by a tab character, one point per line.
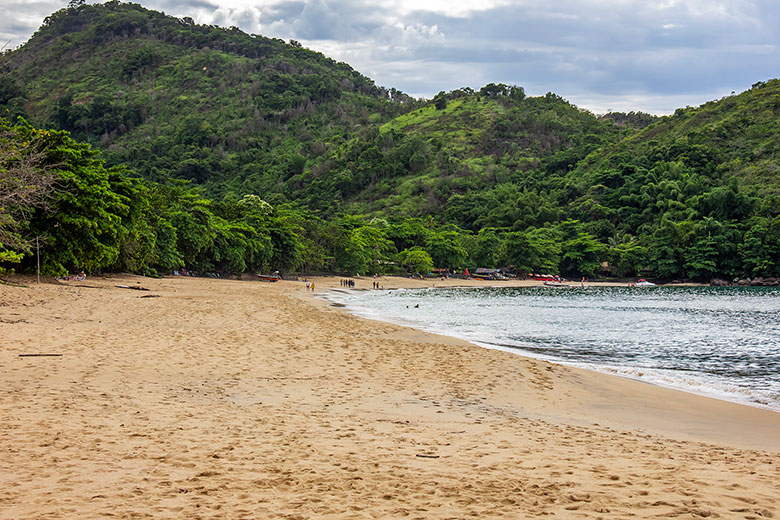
699	188
232	111
457	147
375	178
737	136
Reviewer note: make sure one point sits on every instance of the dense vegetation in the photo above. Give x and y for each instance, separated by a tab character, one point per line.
697	192
226	152
463	143
233	112
95	218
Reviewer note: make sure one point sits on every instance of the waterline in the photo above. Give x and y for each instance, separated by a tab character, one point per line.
718	342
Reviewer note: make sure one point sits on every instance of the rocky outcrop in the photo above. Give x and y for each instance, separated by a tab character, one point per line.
758	281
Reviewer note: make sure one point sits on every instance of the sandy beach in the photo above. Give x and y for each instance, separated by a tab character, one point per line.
221	399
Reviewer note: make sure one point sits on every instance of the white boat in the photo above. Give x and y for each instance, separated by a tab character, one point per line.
644	283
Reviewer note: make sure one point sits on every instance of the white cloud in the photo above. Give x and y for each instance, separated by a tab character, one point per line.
19	19
453	8
648	55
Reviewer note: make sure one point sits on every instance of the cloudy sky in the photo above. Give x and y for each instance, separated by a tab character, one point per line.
649	55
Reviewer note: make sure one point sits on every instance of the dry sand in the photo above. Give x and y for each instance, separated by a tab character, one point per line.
224	399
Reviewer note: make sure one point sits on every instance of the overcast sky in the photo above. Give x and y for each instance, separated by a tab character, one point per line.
649	55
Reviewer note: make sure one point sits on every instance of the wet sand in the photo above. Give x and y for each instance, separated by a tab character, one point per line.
207	398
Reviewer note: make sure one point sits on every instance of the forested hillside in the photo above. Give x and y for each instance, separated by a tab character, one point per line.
463	146
700	189
222	151
233	112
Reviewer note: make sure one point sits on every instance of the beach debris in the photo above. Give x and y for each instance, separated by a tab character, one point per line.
13	321
150	296
134	287
40	355
3	281
424	456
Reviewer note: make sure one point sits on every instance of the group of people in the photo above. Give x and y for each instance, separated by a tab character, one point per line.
377	285
348	283
309	285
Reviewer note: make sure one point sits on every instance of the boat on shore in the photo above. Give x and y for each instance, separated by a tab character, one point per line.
644	283
556	284
488	274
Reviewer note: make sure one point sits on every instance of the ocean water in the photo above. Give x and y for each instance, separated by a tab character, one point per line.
722	342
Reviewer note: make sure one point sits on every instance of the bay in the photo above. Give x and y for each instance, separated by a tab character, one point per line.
722	342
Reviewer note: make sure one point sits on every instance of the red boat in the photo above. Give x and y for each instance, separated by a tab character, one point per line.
546	278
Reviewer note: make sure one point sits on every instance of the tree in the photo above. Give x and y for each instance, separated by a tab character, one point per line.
193	221
367	249
286	241
81	225
446	250
582	255
581	251
408	233
666	249
626	256
516	251
137	237
760	248
440	101
27	183
701	258
416	260
538	250
487	251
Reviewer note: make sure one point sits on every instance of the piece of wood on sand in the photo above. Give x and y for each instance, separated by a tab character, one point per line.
40	355
134	287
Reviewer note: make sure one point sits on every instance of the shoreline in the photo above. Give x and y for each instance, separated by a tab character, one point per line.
519	352
216	398
704	410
